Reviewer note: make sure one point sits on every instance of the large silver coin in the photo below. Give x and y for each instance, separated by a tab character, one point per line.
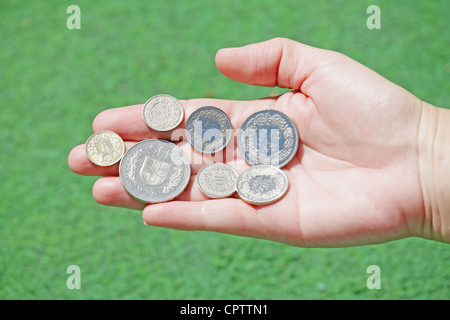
163	112
208	129
262	184
105	148
154	170
268	137
217	180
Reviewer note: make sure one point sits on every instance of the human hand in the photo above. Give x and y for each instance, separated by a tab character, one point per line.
355	179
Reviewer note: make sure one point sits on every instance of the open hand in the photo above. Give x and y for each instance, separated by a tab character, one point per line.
353	181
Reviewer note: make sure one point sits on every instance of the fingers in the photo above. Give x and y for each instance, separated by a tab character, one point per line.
80	164
228	215
277	62
109	191
128	123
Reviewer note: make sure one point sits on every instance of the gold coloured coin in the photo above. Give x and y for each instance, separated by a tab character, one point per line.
105	148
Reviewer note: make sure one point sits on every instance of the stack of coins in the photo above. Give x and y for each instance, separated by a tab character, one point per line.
155	170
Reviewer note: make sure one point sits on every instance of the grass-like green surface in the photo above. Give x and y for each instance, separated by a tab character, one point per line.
53	81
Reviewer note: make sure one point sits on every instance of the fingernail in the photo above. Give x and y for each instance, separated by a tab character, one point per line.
144	222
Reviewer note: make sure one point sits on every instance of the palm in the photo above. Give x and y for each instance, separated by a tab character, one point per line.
355	165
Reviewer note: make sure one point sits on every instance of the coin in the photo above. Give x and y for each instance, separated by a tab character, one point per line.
262	184
268	137
154	170
105	148
208	129
217	180
163	112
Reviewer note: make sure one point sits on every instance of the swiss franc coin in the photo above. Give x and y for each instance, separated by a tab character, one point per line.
105	148
217	180
163	112
268	137
262	184
154	170
208	129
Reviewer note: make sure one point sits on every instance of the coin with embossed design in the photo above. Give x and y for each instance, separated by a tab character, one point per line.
154	170
262	184
268	137
105	148
208	129
163	112
217	180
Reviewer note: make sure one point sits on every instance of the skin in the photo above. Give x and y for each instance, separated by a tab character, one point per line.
364	173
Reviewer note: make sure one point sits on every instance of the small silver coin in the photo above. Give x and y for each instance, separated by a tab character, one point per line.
154	170
163	112
208	129
217	180
262	184
105	148
268	137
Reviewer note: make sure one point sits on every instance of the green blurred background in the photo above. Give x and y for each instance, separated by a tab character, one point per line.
55	80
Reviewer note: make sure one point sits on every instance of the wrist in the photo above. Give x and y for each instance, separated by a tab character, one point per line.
434	172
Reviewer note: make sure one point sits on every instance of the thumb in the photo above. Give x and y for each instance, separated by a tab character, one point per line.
276	62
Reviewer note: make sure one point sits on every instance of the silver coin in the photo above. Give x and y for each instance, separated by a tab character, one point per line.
208	129
163	112
105	148
154	170
262	184
268	137
217	180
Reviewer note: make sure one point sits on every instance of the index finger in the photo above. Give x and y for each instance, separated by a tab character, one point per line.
130	125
